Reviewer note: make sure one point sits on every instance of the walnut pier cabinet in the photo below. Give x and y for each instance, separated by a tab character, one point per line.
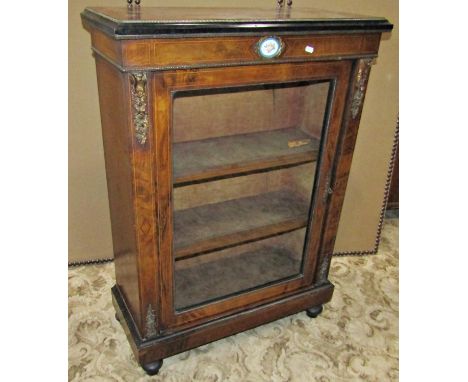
228	138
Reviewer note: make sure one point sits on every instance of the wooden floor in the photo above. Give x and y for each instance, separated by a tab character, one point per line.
218	225
228	155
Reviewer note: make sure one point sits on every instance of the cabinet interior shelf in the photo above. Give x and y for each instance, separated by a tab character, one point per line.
206	159
219	225
226	275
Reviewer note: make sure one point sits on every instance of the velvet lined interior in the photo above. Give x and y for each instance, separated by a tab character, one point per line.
197	160
244	167
217	113
215	275
298	179
229	222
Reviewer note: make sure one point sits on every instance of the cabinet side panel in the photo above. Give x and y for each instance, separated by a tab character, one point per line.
113	102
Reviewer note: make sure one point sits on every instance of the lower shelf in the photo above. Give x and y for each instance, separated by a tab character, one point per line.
219	225
200	283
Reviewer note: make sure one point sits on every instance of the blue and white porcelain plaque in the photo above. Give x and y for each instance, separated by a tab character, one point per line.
270	47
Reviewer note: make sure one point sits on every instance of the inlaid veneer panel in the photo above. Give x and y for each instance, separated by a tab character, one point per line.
204	51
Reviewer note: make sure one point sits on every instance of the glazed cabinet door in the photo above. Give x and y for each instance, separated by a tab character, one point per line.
243	159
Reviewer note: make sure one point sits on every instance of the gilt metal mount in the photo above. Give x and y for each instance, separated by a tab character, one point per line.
140	105
150	323
322	274
360	86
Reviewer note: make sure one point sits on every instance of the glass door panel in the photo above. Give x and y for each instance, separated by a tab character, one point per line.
244	165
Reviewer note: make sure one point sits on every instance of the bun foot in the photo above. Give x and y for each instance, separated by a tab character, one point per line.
314	311
152	368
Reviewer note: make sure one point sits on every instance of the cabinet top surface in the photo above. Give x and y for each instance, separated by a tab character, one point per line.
124	22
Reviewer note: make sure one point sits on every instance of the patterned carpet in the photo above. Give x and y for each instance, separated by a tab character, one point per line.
354	339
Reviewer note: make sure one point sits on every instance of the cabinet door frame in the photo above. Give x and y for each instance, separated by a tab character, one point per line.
164	85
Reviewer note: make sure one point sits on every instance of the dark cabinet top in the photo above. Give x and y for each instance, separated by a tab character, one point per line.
128	22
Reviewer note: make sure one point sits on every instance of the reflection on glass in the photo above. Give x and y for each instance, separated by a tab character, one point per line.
243	169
